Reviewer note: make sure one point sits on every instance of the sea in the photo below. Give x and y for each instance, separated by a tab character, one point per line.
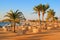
4	23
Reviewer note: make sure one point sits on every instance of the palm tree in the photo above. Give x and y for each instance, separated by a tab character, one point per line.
37	9
50	14
44	8
14	17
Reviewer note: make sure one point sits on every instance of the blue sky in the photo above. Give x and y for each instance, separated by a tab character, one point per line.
26	6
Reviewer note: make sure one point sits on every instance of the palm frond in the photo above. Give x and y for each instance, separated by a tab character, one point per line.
15	15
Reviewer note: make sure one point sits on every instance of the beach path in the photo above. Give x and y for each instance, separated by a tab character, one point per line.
53	35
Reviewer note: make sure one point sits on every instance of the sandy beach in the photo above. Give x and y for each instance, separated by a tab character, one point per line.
51	35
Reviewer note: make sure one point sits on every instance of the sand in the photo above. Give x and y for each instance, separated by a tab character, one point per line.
50	35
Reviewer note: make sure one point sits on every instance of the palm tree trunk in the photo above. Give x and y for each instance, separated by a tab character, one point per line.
11	26
39	17
14	26
43	16
39	29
